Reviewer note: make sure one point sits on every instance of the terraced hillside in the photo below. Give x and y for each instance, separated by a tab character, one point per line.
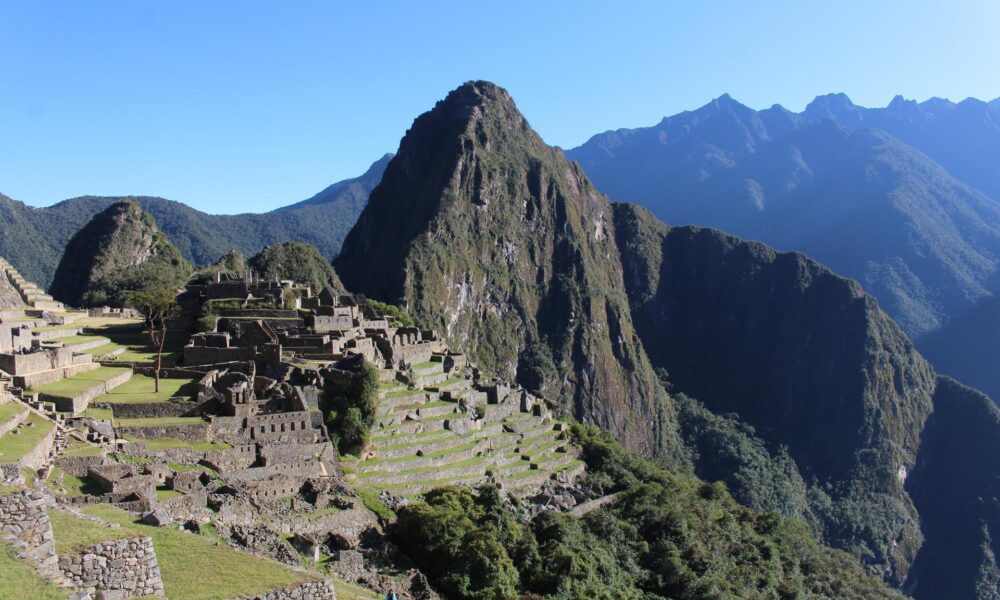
435	428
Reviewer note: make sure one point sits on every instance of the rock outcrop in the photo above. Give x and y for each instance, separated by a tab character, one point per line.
120	250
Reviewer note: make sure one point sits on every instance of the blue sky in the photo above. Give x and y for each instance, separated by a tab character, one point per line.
246	106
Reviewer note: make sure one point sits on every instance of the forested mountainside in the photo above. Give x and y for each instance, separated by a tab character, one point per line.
859	200
789	383
119	251
968	347
490	236
33	239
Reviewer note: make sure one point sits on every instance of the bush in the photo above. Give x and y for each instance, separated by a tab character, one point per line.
353	413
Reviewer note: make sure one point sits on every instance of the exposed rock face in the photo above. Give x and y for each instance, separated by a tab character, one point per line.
490	236
803	356
956	485
120	250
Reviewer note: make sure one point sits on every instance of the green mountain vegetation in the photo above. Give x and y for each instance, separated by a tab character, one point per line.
33	239
668	535
298	262
486	234
767	337
788	383
119	252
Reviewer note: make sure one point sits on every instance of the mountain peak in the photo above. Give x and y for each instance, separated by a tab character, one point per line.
830	106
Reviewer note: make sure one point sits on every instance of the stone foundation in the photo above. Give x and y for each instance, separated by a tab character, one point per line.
119	569
26	526
317	590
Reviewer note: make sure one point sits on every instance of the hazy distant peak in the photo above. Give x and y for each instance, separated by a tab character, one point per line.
830	106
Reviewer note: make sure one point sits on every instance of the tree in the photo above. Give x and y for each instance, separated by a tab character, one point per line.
157	305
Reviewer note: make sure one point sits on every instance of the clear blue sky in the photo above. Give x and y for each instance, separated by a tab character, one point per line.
246	106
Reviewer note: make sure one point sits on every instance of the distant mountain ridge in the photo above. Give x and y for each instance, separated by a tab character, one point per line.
855	188
33	239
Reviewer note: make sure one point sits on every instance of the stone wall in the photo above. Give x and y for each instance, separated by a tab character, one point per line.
79	403
193	433
125	568
51	376
14	421
26	526
78	466
316	590
179	408
282	427
202	355
38	457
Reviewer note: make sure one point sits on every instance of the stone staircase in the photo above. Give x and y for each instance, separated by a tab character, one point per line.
31	294
429	436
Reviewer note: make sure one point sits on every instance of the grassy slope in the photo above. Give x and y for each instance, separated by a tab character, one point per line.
13	447
195	568
20	580
77	384
140	389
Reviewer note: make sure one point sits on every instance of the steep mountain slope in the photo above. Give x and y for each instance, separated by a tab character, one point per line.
33	239
118	251
298	262
802	356
962	137
860	201
488	235
791	384
968	347
956	488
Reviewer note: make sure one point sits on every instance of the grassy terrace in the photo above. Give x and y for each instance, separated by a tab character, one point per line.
10	410
127	335
73	534
77	384
140	389
74	340
197	568
159	421
167	443
427	364
18	577
14	446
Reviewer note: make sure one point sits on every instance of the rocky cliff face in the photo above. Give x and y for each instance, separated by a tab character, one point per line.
802	356
119	251
956	486
487	234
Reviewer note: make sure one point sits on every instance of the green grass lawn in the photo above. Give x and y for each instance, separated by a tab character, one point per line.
167	443
78	448
73	534
129	335
428	364
158	421
100	414
71	484
13	447
140	389
166	494
18	579
196	568
77	384
10	410
73	340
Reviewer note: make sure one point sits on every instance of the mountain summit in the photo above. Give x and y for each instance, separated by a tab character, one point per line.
492	237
